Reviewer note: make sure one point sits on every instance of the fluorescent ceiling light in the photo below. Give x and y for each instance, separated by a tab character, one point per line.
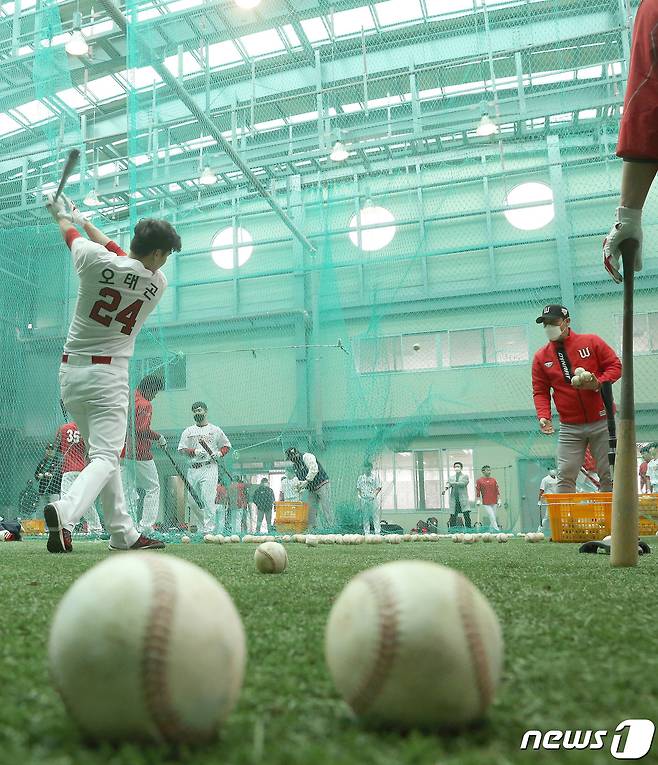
486	127
398	11
92	200
208	177
247	5
77	45
339	153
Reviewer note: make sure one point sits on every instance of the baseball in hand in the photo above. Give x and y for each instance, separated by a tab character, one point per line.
380	624
125	651
271	558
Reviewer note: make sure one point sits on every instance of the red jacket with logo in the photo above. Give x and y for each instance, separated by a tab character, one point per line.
574	406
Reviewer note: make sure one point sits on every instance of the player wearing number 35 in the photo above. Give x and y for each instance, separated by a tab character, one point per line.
117	292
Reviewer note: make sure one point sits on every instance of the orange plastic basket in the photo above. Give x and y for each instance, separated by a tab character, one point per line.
34	526
291	516
585	516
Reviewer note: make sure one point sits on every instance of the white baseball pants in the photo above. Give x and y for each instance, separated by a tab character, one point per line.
91	515
204	482
491	512
142	474
370	513
96	396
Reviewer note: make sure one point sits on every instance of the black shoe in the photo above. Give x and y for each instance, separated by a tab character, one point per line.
143	543
59	539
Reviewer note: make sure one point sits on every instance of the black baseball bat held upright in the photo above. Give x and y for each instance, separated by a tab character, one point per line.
608	402
625	516
180	473
69	167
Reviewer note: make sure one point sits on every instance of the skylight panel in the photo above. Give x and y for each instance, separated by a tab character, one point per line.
315	30
398	12
101	28
464	87
140	159
295	119
566	117
24	50
430	93
190	64
590	72
105	88
109	168
175	187
183	5
448	7
142	77
73	98
351	108
148	14
8	125
34	111
587	114
197	143
269	124
548	78
614	68
262	43
293	38
378	103
351	21
222	53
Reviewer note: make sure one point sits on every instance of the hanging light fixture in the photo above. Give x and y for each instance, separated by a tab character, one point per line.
77	45
207	177
486	127
339	153
247	4
92	200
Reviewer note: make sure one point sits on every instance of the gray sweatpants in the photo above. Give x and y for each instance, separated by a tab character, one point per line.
571	446
321	512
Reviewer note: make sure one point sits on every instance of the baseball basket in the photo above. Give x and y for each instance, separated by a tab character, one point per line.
34	526
587	516
291	517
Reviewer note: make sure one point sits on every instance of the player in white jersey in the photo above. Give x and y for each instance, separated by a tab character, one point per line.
116	294
204	444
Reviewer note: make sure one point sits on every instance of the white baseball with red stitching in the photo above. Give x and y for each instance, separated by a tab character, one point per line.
147	647
414	644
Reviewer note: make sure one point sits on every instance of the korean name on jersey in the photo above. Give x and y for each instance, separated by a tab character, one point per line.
115	297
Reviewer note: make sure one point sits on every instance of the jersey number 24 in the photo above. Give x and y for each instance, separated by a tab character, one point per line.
102	311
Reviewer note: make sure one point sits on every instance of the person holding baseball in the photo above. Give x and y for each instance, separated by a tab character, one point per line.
116	294
638	140
573	367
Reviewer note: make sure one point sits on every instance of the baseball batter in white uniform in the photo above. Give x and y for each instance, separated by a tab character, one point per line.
116	294
204	444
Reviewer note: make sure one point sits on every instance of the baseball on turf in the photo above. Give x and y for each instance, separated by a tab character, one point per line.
271	558
185	539
125	644
380	624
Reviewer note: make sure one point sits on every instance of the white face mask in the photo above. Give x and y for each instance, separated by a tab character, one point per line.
553	332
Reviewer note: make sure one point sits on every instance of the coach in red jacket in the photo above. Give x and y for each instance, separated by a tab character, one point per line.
581	410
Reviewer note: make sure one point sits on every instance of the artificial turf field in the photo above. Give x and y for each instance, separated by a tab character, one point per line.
580	654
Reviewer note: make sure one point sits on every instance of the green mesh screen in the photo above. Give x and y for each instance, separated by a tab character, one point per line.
380	306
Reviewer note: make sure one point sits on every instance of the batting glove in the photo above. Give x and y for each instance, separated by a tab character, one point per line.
74	214
628	226
54	206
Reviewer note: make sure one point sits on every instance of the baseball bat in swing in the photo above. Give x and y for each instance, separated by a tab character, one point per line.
180	474
69	167
625	516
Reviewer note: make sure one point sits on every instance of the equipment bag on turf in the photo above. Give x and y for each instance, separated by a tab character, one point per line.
12	526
